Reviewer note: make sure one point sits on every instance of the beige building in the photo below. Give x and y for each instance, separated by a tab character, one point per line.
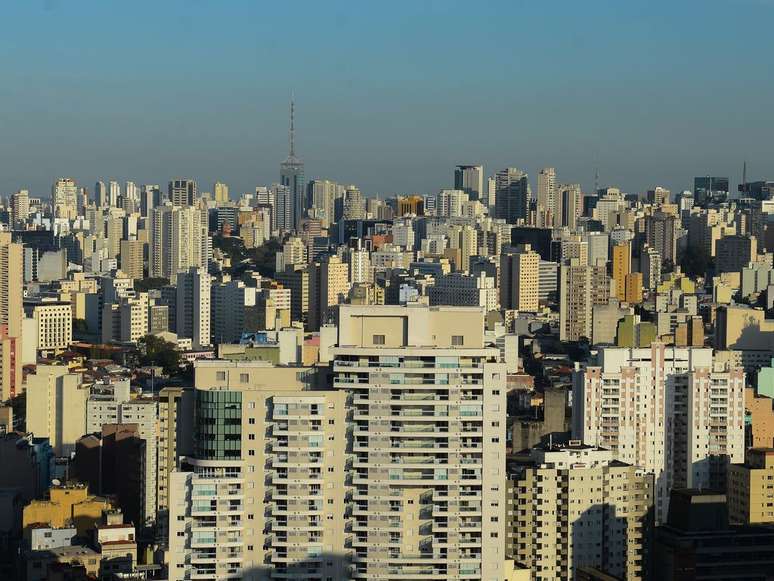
760	409
396	472
266	486
11	315
54	323
750	490
428	420
176	417
575	505
622	266
674	412
132	253
328	287
56	406
519	279
580	288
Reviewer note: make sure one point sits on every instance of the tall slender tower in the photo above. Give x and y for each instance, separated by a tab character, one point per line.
292	171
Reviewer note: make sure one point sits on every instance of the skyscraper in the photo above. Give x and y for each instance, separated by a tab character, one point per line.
175	241
470	179
182	192
547	197
20	208
292	171
193	306
10	316
64	198
354	204
675	412
593	511
100	194
519	276
221	193
512	195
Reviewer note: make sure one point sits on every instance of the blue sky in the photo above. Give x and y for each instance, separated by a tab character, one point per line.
390	95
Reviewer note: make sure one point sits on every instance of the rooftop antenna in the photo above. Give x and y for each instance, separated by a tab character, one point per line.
744	175
292	125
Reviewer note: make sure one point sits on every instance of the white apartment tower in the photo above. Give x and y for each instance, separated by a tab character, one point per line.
176	241
672	411
547	197
193	306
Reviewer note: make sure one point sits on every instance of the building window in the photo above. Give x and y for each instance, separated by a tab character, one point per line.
458	340
220	375
378	339
244	377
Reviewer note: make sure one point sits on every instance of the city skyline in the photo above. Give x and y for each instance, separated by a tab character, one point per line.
388	116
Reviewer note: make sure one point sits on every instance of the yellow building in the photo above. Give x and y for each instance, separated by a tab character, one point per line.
751	488
633	288
67	503
622	266
761	412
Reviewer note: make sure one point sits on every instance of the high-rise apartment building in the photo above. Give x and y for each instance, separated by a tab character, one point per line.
660	233
512	191
572	505
321	197
11	315
354	204
570	205
176	433
428	411
220	191
265	487
64	198
19	208
111	405
449	203
622	266
149	199
328	287
175	241
284	215
182	192
56	406
547	197
114	193
470	179
520	278
193	306
581	287
673	411
750	489
101	197
132	258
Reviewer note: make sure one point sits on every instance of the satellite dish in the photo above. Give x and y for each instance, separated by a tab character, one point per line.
56	482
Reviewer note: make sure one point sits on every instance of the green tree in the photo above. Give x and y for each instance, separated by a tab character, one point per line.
161	353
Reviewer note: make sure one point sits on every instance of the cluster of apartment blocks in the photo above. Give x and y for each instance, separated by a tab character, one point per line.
398	469
389	458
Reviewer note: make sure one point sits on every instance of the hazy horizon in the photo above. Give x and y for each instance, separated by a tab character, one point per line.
389	97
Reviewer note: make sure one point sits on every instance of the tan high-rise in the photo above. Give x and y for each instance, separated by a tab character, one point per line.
750	490
574	505
520	279
622	266
11	276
